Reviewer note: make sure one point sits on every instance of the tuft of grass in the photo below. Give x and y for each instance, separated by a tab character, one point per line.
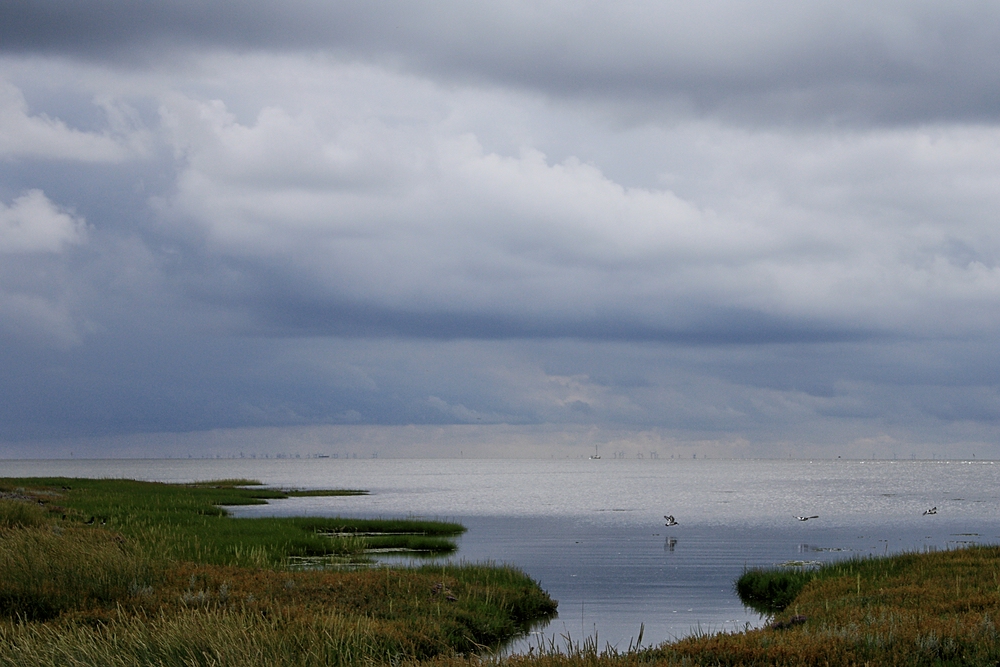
206	637
226	638
770	591
21	514
48	570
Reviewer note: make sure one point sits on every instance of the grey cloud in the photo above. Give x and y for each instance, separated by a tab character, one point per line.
845	238
39	298
34	136
775	62
313	215
345	224
32	224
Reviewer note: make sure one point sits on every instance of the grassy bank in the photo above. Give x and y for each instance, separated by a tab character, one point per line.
913	609
769	591
130	573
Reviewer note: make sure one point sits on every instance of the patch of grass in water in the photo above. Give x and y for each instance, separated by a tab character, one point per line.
323	493
190	522
770	591
219	483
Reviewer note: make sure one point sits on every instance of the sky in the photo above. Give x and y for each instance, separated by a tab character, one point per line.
750	229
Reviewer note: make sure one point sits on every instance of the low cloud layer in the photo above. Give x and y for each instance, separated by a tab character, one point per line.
772	226
767	62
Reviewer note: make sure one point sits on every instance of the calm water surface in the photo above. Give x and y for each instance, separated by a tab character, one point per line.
592	532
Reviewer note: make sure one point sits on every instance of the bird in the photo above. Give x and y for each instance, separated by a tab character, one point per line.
932	510
670	520
806	518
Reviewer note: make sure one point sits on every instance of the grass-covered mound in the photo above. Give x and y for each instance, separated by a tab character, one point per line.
770	591
128	573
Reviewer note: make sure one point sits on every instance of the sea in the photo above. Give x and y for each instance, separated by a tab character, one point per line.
593	533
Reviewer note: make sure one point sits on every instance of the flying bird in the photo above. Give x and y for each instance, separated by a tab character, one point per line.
932	510
670	520
806	518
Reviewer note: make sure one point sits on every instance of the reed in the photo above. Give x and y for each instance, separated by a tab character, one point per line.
208	637
48	570
21	514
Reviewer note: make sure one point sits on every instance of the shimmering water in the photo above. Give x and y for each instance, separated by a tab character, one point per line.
592	532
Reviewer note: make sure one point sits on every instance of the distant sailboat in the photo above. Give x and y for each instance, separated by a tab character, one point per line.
595	456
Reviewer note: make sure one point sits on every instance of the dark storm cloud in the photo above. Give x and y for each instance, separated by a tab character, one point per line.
285	314
770	62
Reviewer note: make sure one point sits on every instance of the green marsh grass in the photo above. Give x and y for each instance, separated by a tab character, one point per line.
47	569
119	572
190	522
208	614
21	514
770	591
